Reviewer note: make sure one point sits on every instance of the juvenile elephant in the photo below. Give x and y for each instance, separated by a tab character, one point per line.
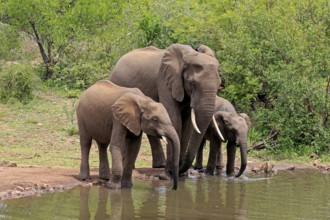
112	114
233	128
185	81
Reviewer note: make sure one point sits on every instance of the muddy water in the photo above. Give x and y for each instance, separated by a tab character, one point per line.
300	194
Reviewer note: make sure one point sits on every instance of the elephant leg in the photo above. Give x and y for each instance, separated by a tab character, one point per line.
231	153
199	157
186	128
117	142
214	150
158	156
85	146
219	163
131	150
104	170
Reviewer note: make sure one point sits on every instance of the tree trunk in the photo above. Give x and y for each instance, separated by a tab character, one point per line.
46	56
49	71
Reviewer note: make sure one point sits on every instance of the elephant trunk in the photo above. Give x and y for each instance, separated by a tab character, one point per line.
243	149
203	119
175	143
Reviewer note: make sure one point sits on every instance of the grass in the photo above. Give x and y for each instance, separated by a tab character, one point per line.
36	133
44	132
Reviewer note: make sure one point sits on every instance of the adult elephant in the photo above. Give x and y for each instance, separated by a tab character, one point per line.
227	125
185	81
118	115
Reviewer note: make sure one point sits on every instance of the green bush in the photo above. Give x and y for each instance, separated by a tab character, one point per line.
17	82
153	31
76	76
9	42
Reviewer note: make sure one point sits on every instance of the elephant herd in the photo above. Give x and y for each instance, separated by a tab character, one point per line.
171	95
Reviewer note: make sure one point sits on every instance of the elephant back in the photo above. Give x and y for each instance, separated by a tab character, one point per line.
139	68
222	104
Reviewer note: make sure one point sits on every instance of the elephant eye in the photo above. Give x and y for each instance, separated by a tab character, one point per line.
197	68
193	84
155	119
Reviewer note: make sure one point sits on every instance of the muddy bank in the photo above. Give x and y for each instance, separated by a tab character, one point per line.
25	180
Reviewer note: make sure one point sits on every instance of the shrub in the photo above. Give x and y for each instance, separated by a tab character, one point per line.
10	42
17	82
76	76
70	115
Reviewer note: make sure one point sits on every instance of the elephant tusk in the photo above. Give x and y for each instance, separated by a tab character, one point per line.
193	121
164	139
217	128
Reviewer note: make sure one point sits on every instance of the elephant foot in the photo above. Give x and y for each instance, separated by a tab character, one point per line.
114	182
158	164
112	185
164	176
231	174
126	184
104	177
104	174
198	167
209	172
84	176
219	170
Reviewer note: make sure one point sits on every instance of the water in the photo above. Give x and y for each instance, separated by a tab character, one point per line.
302	194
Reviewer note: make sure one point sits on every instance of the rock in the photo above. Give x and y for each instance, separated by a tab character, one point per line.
316	163
19	188
7	164
3	195
314	156
51	189
44	186
291	168
193	172
266	167
59	187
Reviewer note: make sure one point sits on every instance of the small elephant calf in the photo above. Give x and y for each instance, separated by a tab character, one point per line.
116	115
233	127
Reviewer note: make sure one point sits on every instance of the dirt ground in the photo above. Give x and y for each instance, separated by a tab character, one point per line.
26	180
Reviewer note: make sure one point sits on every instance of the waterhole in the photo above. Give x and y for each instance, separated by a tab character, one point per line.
299	194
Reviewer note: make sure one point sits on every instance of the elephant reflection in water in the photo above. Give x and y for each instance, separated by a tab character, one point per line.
121	204
84	204
204	198
208	200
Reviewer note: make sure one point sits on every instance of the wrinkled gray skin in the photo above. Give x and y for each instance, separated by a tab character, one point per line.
180	78
234	128
115	115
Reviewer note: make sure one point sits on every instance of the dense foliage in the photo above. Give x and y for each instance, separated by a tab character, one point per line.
17	83
274	55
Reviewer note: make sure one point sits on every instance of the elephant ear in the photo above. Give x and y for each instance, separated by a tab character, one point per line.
126	110
172	66
247	119
205	49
